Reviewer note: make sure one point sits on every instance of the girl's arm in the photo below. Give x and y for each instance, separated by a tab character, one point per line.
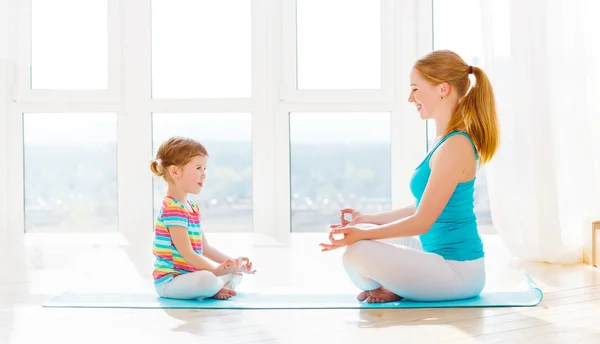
180	238
212	253
446	172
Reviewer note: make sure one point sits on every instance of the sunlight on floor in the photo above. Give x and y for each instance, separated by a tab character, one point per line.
108	263
46	265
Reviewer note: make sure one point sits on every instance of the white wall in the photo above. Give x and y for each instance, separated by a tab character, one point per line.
7	53
3	160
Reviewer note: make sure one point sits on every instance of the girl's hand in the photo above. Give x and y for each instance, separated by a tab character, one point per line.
245	265
350	236
227	267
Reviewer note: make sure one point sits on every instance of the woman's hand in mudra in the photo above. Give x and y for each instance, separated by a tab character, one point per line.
345	236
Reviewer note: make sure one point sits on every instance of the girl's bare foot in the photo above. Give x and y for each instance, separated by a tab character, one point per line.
224	294
382	295
363	295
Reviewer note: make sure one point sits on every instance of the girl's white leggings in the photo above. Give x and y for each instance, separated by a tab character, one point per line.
197	284
405	269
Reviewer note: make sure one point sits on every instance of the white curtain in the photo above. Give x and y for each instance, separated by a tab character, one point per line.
543	57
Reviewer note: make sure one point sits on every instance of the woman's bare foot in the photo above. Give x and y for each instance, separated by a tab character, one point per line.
382	295
224	294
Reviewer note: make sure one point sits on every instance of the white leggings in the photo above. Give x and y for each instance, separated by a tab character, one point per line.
197	284
412	273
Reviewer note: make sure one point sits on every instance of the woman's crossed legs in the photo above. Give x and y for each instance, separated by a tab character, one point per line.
387	271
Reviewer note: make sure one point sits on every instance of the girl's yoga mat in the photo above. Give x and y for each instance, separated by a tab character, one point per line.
530	296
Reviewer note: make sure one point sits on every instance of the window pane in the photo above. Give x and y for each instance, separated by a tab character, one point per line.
201	49
453	24
339	44
70	172
69	44
226	198
338	160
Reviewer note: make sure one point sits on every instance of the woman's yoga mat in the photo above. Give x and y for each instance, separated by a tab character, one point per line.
530	296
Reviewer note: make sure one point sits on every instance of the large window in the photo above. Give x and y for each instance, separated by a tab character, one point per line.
70	172
338	160
300	103
226	199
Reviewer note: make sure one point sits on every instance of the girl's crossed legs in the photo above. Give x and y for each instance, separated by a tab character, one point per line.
200	284
388	272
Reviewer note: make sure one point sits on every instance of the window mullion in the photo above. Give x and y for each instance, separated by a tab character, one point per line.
134	145
11	161
270	163
412	39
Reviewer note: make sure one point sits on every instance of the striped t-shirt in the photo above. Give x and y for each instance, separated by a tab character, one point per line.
168	262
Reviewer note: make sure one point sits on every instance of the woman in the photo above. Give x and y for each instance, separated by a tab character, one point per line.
440	256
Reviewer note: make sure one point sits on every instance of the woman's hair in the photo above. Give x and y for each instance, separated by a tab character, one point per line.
476	110
176	151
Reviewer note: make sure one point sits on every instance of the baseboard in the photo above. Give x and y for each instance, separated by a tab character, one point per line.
592	256
596	243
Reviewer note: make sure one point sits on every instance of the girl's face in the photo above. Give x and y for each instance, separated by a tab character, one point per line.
190	178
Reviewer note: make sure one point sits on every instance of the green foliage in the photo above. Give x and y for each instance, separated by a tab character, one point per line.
71	183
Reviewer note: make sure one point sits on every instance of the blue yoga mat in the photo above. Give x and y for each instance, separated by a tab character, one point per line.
528	297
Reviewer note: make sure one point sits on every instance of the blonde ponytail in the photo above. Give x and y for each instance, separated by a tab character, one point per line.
476	114
157	168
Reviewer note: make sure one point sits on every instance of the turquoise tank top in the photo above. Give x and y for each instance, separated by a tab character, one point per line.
454	234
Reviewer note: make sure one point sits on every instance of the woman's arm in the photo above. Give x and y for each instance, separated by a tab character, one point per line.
447	168
388	216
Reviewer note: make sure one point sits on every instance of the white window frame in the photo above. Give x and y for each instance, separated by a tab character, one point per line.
407	35
23	91
289	92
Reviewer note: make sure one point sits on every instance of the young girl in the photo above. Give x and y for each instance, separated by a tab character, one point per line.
184	266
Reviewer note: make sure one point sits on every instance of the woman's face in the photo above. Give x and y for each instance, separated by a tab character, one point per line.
425	96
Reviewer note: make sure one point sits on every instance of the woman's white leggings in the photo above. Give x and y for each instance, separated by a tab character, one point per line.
405	269
197	284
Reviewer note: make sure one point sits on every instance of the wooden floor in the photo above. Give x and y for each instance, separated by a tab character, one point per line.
41	268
